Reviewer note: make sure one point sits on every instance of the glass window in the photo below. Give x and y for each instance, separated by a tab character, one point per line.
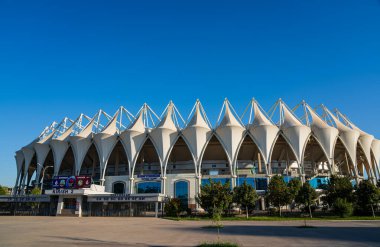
118	188
148	187
181	190
257	183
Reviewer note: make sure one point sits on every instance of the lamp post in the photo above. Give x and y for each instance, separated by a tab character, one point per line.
43	174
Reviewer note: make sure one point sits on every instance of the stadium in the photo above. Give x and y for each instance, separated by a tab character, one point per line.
128	165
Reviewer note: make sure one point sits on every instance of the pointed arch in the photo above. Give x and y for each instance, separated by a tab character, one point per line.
375	166
214	158
32	169
180	160
363	164
117	164
91	165
249	158
283	160
49	161
315	161
343	164
148	160
67	167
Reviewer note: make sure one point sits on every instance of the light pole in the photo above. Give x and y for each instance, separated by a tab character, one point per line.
43	174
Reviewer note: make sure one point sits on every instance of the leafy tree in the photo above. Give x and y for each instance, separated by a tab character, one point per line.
173	207
36	191
342	207
366	195
278	193
339	187
215	197
306	196
246	196
294	186
3	190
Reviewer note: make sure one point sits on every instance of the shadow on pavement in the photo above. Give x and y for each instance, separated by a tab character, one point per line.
369	235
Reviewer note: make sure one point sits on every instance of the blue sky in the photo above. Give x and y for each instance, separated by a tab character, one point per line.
62	58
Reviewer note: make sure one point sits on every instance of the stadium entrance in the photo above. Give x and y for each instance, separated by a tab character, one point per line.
140	205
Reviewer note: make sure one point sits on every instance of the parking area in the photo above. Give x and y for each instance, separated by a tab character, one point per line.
112	231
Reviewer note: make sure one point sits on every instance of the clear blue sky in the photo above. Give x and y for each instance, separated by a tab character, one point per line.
61	58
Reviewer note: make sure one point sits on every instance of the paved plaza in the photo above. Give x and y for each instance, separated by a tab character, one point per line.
67	231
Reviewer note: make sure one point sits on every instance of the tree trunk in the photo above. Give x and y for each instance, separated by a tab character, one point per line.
279	209
373	212
311	216
246	211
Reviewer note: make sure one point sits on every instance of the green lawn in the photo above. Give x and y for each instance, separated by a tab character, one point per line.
275	218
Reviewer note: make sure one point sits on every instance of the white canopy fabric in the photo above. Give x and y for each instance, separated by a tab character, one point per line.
80	144
365	141
28	152
230	133
263	132
133	139
60	145
196	134
325	134
42	149
105	141
376	153
19	161
348	136
164	136
296	133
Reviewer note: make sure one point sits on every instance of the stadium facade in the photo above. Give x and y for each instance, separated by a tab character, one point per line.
146	158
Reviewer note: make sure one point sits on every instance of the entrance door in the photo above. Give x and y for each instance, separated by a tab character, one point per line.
69	205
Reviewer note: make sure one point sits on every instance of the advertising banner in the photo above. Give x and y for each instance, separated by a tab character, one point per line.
71	182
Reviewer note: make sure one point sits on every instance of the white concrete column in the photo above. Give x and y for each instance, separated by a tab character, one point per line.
59	205
156	209
78	209
233	181
131	185
163	185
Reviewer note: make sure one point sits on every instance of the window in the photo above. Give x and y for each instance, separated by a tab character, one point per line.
181	191
148	187
118	188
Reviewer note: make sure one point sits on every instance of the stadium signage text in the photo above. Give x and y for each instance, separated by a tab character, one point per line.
62	191
123	198
149	177
24	199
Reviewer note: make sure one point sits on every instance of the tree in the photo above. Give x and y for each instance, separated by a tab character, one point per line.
306	196
294	186
342	207
278	193
173	207
36	191
366	196
246	196
3	190
339	187
215	197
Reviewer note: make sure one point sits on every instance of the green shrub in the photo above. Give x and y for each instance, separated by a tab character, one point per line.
342	208
219	244
173	207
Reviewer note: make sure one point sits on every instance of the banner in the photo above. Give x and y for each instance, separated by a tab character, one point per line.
71	182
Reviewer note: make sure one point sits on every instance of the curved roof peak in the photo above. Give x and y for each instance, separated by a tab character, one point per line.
289	118
230	117
199	117
259	118
316	119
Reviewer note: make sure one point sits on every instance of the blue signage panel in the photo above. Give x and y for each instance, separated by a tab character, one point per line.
71	182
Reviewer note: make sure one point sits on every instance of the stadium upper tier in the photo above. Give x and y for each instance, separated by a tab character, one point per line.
325	143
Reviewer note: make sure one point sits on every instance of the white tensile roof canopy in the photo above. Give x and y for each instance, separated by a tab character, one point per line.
164	132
